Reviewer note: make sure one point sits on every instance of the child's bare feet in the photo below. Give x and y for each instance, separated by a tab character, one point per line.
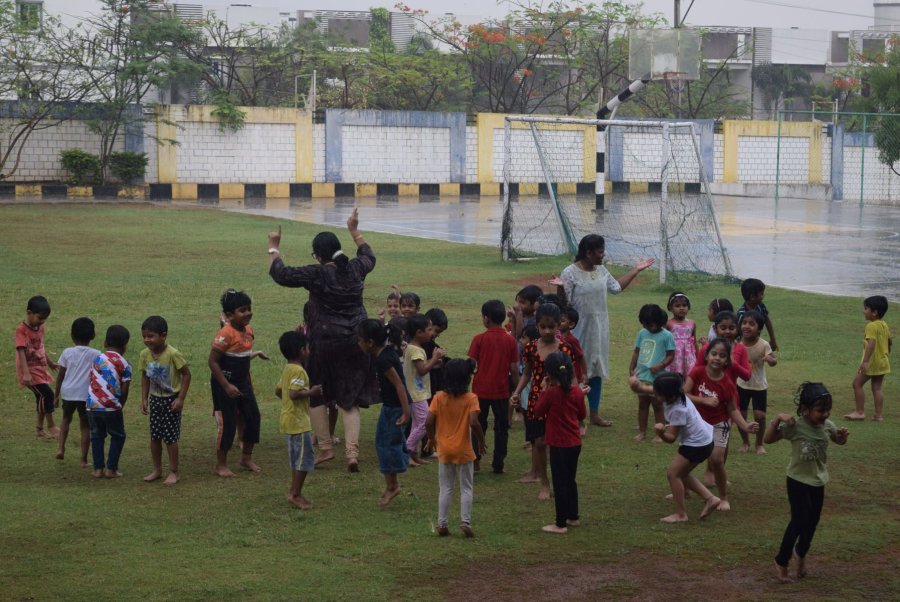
300	502
583	429
573	522
723	506
801	567
711	504
97	474
782	572
412	463
554	529
443	531
40	433
878	418
152	476
854	416
112	474
544	495
709	479
54	433
84	464
60	454
674	518
639	437
387	496
422	460
657	440
324	456
744	448
171	479
223	471
529	477
467	531
760	450
250	465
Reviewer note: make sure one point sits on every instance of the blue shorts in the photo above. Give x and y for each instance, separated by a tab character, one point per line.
390	444
300	452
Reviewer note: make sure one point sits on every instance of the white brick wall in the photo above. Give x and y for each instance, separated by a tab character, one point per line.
880	184
643	157
757	159
150	147
259	152
826	160
471	154
719	157
373	154
318	152
563	151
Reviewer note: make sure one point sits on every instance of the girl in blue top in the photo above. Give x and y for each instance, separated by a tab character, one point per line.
654	349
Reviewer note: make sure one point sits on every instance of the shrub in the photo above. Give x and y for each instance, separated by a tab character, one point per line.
83	167
127	166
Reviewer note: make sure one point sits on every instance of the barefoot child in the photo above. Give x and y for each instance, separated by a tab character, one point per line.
753	290
165	379
416	367
654	350
561	405
683	421
875	363
108	391
684	331
389	444
72	385
452	422
755	388
232	391
32	363
295	393
807	472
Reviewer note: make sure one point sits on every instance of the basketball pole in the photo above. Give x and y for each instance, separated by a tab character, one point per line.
601	138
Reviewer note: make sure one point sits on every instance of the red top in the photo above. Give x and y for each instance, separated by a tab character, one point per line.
532	355
561	411
32	341
740	361
722	389
577	353
494	350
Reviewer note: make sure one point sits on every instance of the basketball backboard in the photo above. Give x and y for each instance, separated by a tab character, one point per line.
659	52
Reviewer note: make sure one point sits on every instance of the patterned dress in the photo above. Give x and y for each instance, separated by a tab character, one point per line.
685	346
531	354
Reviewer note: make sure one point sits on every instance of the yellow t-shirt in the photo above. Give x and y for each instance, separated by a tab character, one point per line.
294	412
418	385
163	371
879	363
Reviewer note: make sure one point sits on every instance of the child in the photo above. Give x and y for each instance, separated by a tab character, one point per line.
754	291
684	421
497	358
439	324
535	353
807	472
295	392
875	363
726	327
72	385
232	391
392	457
32	363
755	388
684	331
108	391
561	405
522	313
568	320
416	367
391	308
713	391
452	420
715	307
409	304
165	379
654	350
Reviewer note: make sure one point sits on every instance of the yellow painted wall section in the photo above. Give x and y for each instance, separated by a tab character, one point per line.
490	189
366	190
487	123
322	189
449	189
733	130
186	192
166	150
278	191
80	192
231	191
408	190
33	190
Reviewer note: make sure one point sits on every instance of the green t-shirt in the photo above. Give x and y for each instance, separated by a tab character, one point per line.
808	451
294	412
163	371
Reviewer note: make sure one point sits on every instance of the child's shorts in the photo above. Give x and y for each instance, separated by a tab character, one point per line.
695	455
43	398
759	399
70	407
389	441
300	452
534	429
165	425
720	434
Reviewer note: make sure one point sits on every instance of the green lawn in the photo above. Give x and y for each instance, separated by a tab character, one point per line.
64	535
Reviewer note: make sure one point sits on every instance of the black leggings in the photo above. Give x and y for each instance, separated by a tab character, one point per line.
806	508
563	466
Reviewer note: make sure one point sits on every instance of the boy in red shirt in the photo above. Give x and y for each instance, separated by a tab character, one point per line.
32	363
497	355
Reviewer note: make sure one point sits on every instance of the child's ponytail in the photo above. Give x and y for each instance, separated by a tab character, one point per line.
670	385
559	366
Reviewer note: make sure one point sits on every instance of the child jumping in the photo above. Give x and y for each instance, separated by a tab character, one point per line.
295	393
32	363
72	385
561	405
416	367
807	473
875	363
165	379
108	391
684	331
452	422
683	421
755	388
654	350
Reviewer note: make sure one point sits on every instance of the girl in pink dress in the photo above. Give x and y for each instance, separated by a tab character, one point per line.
685	333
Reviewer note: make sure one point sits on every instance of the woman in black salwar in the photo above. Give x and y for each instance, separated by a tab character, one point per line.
336	309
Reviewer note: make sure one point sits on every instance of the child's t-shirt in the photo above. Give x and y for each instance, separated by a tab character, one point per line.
294	412
577	352
533	356
419	385
386	360
32	341
756	354
879	363
452	432
78	362
653	347
163	371
740	362
761	308
494	350
722	389
109	372
808	451
561	410
236	347
693	430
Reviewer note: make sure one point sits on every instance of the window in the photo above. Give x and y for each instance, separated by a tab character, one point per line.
30	12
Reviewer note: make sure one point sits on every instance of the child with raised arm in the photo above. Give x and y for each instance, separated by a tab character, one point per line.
753	291
807	472
165	379
654	350
452	422
295	392
416	367
108	391
72	385
561	405
32	363
232	391
755	388
683	421
497	357
875	363
684	331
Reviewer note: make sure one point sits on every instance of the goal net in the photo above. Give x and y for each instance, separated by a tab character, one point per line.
672	219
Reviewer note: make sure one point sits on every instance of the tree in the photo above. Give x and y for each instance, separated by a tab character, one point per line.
779	83
884	97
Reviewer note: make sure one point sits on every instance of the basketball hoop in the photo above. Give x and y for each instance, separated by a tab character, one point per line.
675	81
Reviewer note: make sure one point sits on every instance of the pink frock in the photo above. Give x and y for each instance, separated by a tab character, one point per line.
685	346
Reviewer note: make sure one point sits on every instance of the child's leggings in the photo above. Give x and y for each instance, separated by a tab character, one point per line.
596	385
419	411
447	476
806	507
563	467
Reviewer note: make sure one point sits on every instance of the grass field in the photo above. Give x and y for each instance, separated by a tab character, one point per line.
65	535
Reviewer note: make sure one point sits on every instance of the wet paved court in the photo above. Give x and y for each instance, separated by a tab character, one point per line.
816	246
